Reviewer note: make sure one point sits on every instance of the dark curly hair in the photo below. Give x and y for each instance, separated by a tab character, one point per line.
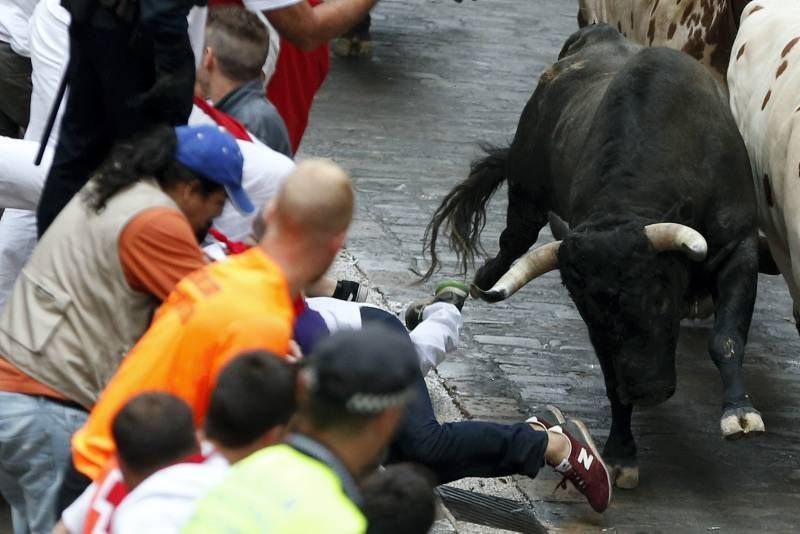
150	155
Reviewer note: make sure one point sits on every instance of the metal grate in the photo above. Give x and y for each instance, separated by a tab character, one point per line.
490	511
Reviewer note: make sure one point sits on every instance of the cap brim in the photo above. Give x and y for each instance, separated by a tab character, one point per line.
240	200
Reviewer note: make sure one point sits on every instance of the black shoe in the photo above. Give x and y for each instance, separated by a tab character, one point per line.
350	291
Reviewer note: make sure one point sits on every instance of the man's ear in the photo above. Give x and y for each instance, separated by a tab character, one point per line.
338	241
209	60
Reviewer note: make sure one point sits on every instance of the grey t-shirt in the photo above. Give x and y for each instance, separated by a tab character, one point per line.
250	106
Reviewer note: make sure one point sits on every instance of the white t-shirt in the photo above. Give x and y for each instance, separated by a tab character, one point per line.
14	17
165	499
164	502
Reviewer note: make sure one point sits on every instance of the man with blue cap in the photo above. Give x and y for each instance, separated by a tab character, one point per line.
89	291
247	302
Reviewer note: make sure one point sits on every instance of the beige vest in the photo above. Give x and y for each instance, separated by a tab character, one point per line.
72	315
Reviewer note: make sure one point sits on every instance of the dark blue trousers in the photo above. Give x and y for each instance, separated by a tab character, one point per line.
460	449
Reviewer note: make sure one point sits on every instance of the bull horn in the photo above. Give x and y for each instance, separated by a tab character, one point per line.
678	237
535	263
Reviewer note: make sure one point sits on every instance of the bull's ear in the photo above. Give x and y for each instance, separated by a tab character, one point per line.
558	226
681	212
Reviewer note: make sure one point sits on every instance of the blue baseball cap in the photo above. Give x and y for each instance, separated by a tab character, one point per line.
213	153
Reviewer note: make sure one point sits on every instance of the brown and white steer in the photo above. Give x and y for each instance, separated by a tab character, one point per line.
704	29
764	84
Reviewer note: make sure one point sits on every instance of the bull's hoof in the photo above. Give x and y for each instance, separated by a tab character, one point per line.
624	477
624	474
737	423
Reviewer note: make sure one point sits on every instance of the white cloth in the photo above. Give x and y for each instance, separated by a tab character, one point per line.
166	500
17	239
269	5
435	336
14	17
49	46
197	32
74	517
160	504
21	182
274	49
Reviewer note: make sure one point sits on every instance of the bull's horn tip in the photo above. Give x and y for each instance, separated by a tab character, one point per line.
696	251
493	295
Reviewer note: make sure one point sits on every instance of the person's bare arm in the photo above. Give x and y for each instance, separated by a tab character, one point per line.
308	27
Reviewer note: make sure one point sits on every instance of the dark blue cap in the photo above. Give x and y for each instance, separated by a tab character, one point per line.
213	153
365	371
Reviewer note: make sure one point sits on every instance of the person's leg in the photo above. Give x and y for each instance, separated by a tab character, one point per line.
15	91
85	135
72	487
15	498
17	240
49	43
466	448
35	438
21	181
437	334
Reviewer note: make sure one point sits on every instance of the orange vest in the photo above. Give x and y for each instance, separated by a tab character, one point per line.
211	316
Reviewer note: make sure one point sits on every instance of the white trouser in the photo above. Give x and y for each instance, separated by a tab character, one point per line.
20	187
437	334
21	181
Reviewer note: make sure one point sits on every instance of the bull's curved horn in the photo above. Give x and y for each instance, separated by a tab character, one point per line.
678	237
535	263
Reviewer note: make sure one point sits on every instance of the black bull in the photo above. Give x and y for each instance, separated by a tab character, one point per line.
619	140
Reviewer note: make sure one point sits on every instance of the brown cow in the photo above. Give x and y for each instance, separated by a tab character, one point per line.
704	29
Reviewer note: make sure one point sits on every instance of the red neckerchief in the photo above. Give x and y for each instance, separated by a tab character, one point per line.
234	247
234	127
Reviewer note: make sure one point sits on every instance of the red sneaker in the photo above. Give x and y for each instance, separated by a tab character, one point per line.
584	466
539	423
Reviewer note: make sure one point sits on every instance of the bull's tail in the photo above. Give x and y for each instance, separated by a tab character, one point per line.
463	210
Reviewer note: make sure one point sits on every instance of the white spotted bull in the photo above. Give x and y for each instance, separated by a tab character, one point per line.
764	83
704	29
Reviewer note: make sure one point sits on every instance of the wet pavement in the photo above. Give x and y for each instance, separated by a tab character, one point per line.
444	77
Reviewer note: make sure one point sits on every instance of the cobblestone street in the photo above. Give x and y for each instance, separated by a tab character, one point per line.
444	77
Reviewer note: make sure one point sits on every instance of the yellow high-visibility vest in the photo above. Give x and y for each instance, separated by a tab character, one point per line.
278	489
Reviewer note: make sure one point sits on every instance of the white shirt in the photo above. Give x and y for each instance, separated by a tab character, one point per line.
166	500
14	17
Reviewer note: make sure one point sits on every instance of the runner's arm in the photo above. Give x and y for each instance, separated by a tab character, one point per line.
157	249
308	27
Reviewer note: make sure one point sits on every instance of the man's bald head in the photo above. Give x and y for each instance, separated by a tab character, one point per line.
315	200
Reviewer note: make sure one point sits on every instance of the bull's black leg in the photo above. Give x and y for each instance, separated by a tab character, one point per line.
523	223
619	452
734	296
